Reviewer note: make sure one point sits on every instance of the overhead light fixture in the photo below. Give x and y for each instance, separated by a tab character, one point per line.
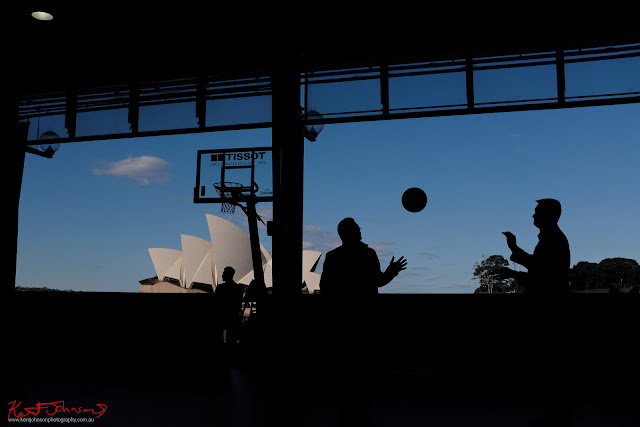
42	16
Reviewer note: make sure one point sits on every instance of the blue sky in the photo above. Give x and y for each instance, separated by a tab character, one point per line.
482	175
88	215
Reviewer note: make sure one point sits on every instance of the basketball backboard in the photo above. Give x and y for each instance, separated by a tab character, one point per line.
248	167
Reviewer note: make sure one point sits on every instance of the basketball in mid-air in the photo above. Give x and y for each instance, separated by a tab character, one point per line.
414	199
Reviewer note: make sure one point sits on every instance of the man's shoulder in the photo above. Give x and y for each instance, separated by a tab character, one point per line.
333	251
336	252
558	236
360	246
365	249
343	251
562	235
552	234
228	286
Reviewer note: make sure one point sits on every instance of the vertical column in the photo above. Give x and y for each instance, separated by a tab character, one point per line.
70	111
15	152
201	99
134	105
288	170
469	81
560	83
384	88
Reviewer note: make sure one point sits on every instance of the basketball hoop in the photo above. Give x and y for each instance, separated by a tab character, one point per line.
238	171
228	192
232	193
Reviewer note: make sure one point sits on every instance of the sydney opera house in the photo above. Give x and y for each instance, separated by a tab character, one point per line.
199	265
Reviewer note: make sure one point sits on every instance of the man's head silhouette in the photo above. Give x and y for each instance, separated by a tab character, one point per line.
349	231
227	274
547	213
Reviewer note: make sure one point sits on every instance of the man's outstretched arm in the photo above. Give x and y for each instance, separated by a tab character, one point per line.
394	268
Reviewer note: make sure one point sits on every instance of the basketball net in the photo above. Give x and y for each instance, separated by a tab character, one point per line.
226	191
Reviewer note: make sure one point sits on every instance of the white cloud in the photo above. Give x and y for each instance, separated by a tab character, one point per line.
143	169
317	239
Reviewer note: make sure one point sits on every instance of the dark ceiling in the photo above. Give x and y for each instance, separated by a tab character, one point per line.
96	43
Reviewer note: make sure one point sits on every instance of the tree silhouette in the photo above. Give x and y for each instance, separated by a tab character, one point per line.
490	282
585	276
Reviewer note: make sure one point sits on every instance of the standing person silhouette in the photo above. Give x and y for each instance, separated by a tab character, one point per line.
353	269
350	280
547	278
548	266
229	295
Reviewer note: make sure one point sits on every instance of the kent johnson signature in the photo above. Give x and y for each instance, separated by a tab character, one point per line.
53	408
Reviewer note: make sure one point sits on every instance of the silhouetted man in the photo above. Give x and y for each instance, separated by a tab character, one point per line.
351	276
229	297
548	277
353	269
548	266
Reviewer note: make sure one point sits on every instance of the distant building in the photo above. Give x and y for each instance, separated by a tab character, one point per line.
198	266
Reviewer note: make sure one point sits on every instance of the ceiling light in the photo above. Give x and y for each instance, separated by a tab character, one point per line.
42	16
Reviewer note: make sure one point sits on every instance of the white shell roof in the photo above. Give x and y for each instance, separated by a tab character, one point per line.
164	261
310	260
203	261
197	260
231	247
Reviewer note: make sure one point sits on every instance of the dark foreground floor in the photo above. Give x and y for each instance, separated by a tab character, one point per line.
437	361
235	397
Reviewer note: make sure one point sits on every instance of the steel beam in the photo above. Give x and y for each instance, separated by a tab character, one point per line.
288	169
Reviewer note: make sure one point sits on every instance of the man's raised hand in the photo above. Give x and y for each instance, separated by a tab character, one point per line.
397	266
511	240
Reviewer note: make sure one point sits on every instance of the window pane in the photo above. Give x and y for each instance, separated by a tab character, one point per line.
596	78
425	91
345	98
237	111
509	85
